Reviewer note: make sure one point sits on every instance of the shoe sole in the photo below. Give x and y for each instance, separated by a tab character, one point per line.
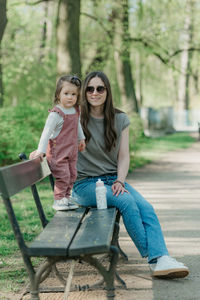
72	207
172	273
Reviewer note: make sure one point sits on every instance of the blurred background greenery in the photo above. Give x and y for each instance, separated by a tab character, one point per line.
149	49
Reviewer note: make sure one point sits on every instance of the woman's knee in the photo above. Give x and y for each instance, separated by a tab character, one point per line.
122	202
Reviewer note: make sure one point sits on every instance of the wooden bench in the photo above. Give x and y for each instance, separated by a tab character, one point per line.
75	235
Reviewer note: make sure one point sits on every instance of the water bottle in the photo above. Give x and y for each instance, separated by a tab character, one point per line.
101	195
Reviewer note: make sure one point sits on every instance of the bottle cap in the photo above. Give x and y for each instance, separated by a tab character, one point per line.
99	182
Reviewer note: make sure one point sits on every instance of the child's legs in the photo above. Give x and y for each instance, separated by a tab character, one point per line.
73	175
62	180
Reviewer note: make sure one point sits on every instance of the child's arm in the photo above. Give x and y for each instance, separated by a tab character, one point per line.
35	154
81	135
50	125
81	145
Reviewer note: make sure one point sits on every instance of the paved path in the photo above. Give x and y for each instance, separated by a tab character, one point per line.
172	185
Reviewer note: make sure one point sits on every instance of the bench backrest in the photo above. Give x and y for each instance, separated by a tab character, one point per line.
16	177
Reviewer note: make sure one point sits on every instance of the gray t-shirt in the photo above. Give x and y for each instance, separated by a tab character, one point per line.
95	160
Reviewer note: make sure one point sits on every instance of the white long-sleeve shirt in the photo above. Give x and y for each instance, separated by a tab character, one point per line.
53	127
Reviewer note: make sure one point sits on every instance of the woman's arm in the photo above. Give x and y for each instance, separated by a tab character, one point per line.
123	163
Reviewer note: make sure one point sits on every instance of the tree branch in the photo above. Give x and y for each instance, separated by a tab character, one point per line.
37	2
169	56
98	21
181	50
30	3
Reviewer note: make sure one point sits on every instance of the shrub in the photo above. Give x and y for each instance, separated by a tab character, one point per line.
20	130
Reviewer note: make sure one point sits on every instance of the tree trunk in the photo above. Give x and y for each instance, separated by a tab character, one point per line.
122	56
140	56
3	22
100	59
186	56
68	47
44	32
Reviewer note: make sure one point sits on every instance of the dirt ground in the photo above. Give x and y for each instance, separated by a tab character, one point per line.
172	185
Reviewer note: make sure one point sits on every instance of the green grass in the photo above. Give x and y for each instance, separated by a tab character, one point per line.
13	275
149	149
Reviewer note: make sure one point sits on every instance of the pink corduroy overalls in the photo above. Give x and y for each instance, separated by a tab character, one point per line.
62	154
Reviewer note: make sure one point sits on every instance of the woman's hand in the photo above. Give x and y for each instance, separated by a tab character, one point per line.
118	188
35	154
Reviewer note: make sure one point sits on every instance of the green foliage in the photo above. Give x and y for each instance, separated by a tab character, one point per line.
136	134
20	127
136	129
147	149
27	101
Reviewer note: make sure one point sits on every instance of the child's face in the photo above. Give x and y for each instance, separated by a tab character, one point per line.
68	95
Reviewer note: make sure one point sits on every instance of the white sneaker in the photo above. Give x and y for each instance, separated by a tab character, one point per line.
64	204
168	267
73	199
152	266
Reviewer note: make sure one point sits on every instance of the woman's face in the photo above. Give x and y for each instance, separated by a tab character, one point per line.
96	92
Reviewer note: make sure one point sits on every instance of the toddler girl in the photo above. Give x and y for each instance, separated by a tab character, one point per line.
61	139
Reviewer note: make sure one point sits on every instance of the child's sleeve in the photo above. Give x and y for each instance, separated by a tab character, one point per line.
81	135
49	127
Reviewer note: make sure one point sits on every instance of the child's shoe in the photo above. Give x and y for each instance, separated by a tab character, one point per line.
64	204
168	267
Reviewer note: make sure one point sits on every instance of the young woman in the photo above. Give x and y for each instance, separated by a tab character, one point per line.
106	156
59	140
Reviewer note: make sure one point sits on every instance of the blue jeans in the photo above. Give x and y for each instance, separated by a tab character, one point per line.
138	215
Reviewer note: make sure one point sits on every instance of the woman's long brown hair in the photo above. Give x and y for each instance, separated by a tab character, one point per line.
109	111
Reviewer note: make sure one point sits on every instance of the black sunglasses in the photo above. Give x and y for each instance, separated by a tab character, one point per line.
100	89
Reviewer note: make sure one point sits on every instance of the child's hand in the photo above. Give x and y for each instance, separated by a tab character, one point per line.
35	154
81	145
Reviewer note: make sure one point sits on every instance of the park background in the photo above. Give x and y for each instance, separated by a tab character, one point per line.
150	51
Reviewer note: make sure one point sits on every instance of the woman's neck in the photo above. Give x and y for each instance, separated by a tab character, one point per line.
97	112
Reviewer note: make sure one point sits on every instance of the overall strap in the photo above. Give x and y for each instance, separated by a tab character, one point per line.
77	110
58	110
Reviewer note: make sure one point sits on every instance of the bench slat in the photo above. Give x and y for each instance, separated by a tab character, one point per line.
55	238
18	176
95	233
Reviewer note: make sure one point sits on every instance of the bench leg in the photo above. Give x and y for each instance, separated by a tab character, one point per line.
112	272
108	275
59	276
40	275
34	295
123	254
115	240
120	280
